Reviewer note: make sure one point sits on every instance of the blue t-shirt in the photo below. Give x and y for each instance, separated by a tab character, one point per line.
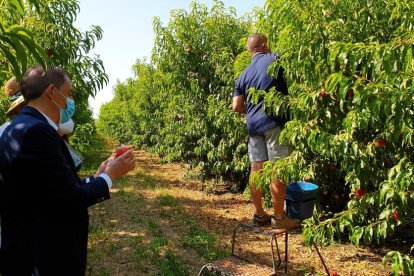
255	75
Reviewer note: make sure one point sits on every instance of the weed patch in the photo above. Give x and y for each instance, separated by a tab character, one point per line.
204	243
167	200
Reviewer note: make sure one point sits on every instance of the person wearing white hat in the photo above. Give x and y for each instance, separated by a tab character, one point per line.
12	90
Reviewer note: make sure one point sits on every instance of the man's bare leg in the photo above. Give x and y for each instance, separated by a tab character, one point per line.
255	193
278	191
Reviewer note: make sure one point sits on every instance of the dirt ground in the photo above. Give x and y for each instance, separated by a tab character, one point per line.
125	217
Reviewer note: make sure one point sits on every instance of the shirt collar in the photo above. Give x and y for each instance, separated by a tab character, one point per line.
258	54
53	124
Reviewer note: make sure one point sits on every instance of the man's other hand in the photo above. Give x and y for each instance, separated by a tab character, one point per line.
117	167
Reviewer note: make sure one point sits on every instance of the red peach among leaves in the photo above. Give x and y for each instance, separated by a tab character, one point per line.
306	179
332	166
395	215
379	143
50	52
360	193
323	93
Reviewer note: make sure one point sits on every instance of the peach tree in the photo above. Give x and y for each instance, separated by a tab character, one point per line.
350	70
44	32
178	104
17	42
17	45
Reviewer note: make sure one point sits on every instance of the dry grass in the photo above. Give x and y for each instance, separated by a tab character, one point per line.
159	223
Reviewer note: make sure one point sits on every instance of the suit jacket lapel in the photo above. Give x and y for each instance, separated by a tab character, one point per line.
35	113
67	155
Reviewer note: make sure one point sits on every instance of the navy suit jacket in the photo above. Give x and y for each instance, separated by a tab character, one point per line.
43	202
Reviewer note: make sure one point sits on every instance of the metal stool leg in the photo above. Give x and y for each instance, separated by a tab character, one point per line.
274	238
286	250
201	270
233	238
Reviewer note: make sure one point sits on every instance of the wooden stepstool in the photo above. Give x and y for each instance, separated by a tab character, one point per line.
235	265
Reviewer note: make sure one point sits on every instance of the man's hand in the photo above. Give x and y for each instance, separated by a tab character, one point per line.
102	167
117	167
238	105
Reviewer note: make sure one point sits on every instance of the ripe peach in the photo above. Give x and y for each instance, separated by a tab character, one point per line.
379	143
50	52
121	150
306	179
332	166
323	93
360	192
395	215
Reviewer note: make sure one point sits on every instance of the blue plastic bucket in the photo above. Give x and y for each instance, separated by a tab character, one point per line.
301	191
300	210
300	199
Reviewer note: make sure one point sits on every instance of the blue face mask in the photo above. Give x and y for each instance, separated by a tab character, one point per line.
66	114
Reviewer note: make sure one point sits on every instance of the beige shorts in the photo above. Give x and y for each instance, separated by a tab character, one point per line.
266	146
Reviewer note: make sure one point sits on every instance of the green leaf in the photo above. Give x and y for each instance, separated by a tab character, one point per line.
13	61
384	229
332	82
368	234
18	47
18	4
408	61
357	235
34	48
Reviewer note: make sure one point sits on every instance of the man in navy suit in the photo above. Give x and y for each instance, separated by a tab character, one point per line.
43	202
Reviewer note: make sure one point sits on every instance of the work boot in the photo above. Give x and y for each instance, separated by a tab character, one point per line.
261	220
284	223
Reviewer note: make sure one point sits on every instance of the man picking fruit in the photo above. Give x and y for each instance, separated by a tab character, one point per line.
263	130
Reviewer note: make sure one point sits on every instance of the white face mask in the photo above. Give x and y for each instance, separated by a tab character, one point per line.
66	128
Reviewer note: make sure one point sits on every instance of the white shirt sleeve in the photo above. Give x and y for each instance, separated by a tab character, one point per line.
105	176
107	179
